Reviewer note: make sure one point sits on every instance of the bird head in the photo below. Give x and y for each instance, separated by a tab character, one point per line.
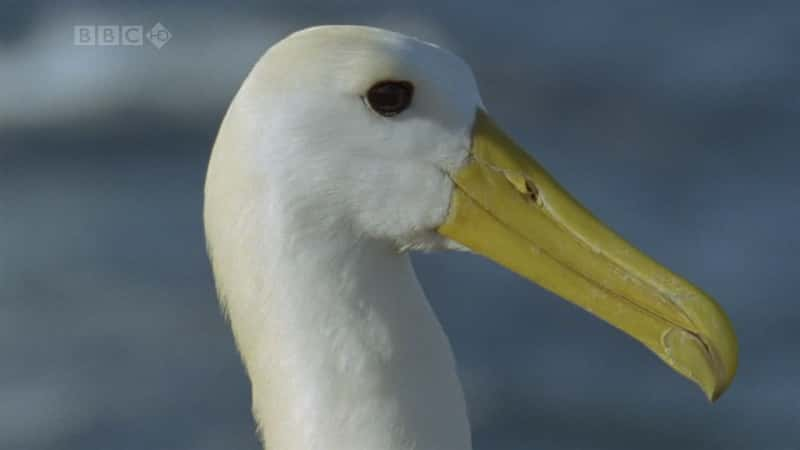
387	136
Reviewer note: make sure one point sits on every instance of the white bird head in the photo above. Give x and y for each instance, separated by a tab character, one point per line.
357	134
362	126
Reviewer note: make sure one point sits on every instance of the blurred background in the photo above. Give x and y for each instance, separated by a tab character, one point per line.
675	122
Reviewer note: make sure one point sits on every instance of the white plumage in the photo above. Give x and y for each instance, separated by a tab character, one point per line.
310	196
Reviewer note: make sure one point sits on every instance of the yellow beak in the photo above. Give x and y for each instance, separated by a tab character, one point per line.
508	208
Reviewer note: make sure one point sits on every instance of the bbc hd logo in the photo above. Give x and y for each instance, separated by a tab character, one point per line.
120	35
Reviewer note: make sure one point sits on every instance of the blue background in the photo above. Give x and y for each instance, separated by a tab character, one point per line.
675	122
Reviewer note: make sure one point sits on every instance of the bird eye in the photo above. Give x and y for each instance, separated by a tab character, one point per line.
389	98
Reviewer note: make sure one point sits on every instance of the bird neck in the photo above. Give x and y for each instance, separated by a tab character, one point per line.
341	346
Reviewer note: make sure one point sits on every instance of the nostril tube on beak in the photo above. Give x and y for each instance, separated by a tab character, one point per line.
532	191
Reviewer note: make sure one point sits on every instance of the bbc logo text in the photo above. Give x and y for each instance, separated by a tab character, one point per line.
120	35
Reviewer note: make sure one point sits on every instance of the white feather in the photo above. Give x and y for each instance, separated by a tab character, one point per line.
311	200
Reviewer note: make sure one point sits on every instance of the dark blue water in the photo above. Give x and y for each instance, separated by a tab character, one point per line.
676	124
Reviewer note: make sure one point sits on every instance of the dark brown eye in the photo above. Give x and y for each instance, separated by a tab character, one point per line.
389	98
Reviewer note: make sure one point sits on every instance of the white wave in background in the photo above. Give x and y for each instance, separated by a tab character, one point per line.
46	79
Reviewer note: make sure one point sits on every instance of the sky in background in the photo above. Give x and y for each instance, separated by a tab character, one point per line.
675	123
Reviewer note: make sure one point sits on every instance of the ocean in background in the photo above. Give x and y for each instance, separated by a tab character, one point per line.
676	123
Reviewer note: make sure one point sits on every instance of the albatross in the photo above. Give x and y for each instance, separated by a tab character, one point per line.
346	148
